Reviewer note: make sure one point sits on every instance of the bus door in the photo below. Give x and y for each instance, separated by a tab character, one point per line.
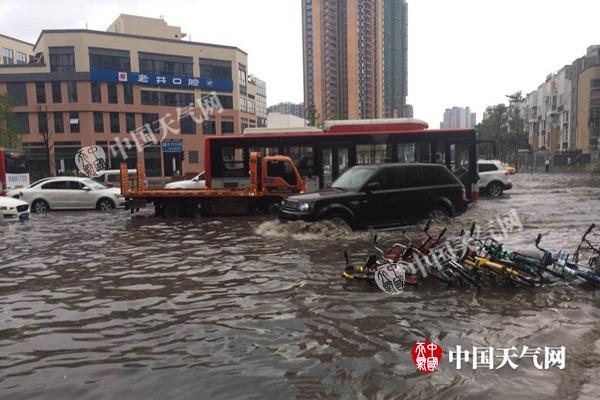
334	162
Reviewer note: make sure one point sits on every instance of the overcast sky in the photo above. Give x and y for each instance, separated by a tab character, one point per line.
461	52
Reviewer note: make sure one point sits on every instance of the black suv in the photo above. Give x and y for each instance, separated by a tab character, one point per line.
377	196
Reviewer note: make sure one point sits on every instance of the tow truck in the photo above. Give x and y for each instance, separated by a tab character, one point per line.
272	179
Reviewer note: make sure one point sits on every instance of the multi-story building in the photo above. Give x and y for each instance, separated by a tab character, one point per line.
395	58
458	117
87	87
260	100
14	51
296	109
563	114
344	57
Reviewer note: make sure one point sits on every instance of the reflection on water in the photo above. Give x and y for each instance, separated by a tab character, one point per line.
105	306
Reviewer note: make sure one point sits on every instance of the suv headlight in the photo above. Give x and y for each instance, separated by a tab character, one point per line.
304	206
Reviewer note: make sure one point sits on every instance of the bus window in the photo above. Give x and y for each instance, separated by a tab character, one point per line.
303	157
265	151
233	159
372	154
282	170
423	153
406	152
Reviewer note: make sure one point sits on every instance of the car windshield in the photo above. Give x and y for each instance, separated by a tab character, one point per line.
353	179
92	184
38	182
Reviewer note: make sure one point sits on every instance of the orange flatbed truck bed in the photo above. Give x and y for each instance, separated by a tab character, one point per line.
272	179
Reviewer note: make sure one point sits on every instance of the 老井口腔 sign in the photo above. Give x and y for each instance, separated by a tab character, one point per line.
161	80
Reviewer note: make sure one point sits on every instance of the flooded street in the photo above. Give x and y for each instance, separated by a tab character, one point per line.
97	305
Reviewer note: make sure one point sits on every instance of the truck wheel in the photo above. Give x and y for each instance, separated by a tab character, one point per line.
495	189
171	211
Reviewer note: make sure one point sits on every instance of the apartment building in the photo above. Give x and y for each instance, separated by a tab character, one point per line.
296	109
86	87
563	113
343	58
458	117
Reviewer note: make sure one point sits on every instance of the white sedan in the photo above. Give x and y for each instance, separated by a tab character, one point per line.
69	193
196	182
13	208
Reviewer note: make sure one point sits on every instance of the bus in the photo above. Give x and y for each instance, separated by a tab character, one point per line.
13	172
322	155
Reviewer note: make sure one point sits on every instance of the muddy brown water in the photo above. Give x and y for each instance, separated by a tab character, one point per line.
97	306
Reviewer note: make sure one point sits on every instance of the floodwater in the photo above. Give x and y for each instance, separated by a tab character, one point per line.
106	306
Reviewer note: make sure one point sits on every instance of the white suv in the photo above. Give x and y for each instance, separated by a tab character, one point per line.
493	177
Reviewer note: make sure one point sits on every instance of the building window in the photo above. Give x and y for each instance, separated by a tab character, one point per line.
595	84
227	128
7	56
187	125
40	92
22	120
109	59
98	122
56	92
226	102
242	76
17	92
74	122
62	59
96	92
218	69
208	127
72	91
59	125
128	93
150	123
115	125
193	157
164	64
21	58
130	122
112	93
42	122
251	106
173	99
243	104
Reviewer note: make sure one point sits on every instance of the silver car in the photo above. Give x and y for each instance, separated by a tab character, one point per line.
69	193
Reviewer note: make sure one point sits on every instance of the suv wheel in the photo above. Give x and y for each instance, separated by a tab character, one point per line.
338	220
438	213
495	189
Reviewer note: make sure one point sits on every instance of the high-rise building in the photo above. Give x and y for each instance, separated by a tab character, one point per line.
395	58
344	42
296	109
457	118
260	100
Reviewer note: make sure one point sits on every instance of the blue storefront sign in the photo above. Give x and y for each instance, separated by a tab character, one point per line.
161	80
172	146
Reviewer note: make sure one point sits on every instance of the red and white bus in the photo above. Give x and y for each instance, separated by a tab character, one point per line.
13	173
321	155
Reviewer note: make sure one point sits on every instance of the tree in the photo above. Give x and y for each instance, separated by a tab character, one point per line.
516	131
47	134
493	127
9	132
313	116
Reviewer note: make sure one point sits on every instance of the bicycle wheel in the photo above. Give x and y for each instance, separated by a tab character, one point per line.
463	274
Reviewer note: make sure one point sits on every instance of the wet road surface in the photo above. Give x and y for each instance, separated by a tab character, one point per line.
102	305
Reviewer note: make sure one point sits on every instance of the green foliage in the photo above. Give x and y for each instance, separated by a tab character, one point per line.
313	117
9	133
